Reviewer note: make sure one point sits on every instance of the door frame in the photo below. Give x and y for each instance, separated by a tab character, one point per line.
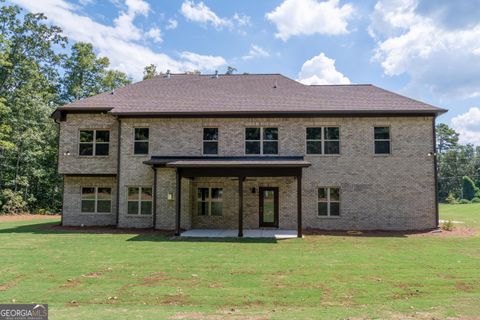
275	223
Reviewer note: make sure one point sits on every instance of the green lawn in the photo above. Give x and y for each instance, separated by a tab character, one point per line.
131	276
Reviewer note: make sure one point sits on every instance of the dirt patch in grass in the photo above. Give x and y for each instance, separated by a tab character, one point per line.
225	314
70	283
10	284
456	232
27	217
463	286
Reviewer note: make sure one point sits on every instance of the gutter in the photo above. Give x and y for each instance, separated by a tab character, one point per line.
119	139
435	168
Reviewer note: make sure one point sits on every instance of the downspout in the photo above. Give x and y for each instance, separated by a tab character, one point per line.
154	196
119	138
435	168
58	168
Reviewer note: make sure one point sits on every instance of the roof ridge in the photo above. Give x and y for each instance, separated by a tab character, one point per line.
340	85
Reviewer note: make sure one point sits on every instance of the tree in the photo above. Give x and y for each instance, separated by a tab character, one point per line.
469	188
447	138
87	75
150	71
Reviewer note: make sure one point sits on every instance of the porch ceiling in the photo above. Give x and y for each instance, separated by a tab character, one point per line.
229	162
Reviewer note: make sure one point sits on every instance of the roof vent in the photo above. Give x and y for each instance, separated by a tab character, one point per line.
168	73
275	84
113	91
216	74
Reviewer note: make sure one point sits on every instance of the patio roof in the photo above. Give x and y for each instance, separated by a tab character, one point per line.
229	162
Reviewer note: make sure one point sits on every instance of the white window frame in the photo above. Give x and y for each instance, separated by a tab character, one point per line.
261	141
96	199
329	201
94	142
322	140
389	140
147	141
209	200
139	201
217	141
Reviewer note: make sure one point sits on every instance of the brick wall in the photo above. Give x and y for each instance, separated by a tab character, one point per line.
392	192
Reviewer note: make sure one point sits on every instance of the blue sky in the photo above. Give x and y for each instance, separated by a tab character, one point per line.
428	50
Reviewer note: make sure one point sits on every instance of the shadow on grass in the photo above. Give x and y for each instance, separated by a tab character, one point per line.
167	236
138	234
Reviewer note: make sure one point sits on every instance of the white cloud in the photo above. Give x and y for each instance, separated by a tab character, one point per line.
437	57
198	62
242	20
120	42
155	34
307	17
256	51
468	125
321	70
172	24
201	13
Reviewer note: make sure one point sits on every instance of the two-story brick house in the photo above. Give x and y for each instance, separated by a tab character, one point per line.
247	152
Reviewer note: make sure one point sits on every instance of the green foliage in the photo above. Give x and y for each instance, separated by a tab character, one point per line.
447	138
464	201
87	75
447	225
475	200
13	203
34	79
150	71
451	199
469	188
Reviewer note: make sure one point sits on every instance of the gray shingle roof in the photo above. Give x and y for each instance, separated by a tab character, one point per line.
246	93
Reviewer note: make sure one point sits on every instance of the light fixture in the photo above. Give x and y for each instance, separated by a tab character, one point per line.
170	196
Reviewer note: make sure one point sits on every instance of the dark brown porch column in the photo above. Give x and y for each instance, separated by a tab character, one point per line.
299	205
178	202
240	206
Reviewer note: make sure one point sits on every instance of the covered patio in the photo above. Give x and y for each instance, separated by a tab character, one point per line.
238	168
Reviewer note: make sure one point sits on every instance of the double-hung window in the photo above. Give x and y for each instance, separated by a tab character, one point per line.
96	200
140	200
209	201
382	140
94	142
261	140
328	202
323	140
140	143
210	141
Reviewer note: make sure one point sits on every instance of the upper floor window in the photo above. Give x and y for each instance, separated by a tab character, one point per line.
210	140
96	200
140	143
323	140
140	200
328	202
209	201
382	140
261	140
94	142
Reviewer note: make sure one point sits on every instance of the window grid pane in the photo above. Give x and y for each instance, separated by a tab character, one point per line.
328	201
209	201
94	143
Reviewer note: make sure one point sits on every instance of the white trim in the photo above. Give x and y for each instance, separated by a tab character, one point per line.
208	200
322	140
329	201
95	200
134	140
261	141
94	142
139	201
389	140
217	141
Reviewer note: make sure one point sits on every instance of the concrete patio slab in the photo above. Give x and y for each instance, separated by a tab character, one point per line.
230	233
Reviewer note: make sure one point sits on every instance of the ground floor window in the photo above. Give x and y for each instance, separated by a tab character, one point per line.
209	201
328	202
96	200
140	200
